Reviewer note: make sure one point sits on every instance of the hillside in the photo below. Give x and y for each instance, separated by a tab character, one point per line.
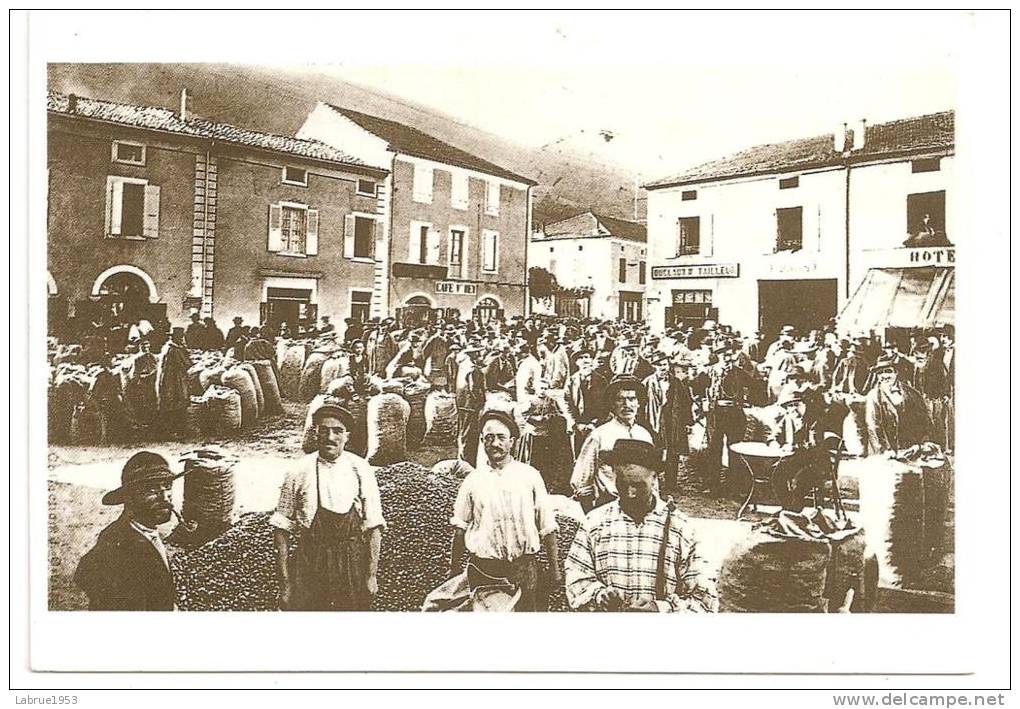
277	100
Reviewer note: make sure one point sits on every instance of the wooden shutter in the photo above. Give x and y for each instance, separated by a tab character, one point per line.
705	235
349	236
150	224
275	228
263	314
312	232
377	237
414	243
434	245
116	206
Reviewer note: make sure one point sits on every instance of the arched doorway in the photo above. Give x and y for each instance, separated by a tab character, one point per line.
486	310
122	296
416	312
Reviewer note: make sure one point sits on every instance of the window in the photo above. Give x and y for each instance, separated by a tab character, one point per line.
580	247
788	183
424	244
490	251
293	229
295	176
128	153
688	236
641	273
459	191
492	198
132	208
360	236
361	305
422	187
688	195
926	165
623	270
926	218
789	229
458	253
366	187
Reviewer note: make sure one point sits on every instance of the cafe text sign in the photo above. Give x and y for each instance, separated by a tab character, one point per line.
699	270
456	288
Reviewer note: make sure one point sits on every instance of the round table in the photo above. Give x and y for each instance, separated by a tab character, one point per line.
761	460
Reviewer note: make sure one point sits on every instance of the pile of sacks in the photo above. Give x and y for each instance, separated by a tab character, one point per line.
228	395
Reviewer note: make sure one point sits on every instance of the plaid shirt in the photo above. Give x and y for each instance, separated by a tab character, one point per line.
611	550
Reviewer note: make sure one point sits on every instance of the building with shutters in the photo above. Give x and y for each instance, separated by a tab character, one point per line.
786	233
160	212
456	226
601	259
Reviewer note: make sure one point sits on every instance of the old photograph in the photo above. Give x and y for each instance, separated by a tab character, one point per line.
316	345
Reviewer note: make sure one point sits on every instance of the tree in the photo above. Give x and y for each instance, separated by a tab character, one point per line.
542	284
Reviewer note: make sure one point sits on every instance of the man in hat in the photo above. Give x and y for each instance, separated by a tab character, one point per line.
500	370
452	364
585	398
656	387
931	380
382	347
593	480
470	395
894	412
354	330
786	334
850	377
172	382
555	359
502	518
624	358
195	335
637	553
330	503
234	333
127	569
529	371
214	339
676	421
729	390
798	431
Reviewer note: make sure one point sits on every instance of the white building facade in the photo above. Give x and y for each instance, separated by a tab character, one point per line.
603	255
786	233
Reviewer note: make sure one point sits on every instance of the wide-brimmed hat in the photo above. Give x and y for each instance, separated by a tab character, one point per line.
882	363
629	451
141	469
787	330
791	393
333	406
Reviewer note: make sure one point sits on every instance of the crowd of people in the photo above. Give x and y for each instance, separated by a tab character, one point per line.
606	413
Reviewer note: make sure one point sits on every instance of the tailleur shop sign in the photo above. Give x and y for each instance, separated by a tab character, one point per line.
697	270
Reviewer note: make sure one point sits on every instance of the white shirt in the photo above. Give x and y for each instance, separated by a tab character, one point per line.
591	475
504	513
346	483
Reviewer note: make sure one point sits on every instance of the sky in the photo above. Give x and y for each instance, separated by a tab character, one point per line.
673	88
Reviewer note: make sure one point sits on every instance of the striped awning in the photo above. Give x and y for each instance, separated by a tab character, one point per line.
901	297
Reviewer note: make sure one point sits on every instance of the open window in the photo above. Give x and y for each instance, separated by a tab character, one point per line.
688	236
132	208
926	219
789	229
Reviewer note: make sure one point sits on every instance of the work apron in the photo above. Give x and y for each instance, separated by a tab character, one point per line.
331	561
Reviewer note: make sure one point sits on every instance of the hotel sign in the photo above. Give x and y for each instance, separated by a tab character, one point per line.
700	270
456	288
911	257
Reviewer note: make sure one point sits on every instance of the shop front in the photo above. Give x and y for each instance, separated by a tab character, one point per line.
690	292
631	306
289	301
807	304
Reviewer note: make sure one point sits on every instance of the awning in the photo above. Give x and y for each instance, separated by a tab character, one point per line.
901	297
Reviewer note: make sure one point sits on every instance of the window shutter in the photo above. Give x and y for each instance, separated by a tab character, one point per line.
116	206
312	232
263	314
414	243
275	228
434	245
349	236
464	251
706	236
150	228
377	237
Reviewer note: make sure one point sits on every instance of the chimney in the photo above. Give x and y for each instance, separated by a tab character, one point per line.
859	129
72	103
184	104
839	139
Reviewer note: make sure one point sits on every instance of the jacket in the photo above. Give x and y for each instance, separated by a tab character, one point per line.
124	572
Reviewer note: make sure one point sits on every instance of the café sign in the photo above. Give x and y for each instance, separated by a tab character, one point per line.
456	288
699	270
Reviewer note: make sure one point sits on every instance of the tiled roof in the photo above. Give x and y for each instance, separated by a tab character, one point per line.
411	141
901	137
163	119
574	227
